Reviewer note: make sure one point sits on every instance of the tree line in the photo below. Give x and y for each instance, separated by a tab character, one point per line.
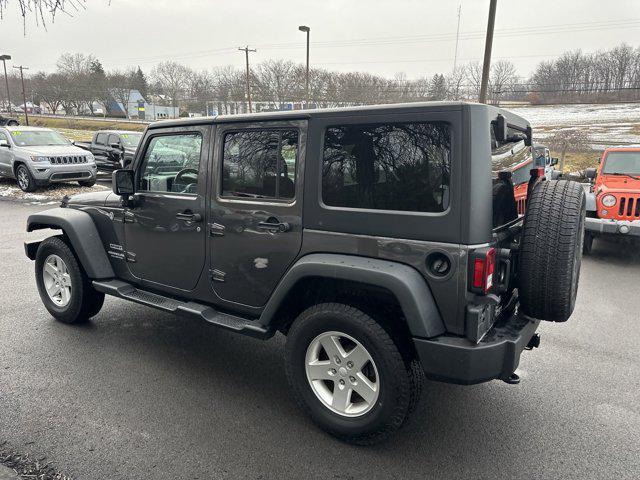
80	82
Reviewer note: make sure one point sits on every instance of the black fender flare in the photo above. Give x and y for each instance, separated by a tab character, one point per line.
408	286
79	228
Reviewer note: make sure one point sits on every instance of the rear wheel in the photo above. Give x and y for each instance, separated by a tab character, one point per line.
551	250
25	179
64	288
348	374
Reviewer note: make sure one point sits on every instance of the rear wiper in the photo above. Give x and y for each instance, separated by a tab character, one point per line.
623	175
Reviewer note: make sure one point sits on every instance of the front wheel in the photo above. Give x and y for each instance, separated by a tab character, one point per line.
25	179
349	374
64	288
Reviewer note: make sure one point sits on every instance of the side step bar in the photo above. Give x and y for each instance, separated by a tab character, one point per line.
118	288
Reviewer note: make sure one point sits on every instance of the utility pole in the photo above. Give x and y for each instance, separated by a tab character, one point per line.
304	28
4	59
455	55
246	51
486	65
24	96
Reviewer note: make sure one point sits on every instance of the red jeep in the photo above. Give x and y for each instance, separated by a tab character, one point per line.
613	207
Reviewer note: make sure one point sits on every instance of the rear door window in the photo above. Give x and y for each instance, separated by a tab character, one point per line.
113	138
387	166
260	164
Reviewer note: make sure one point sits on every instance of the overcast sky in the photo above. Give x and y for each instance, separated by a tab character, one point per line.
416	37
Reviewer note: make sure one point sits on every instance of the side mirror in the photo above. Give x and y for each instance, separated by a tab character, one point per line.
5	144
122	183
116	146
590	173
554	161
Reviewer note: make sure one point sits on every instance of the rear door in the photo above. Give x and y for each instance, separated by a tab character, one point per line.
256	207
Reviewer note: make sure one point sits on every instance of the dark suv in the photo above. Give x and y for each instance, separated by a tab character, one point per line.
383	241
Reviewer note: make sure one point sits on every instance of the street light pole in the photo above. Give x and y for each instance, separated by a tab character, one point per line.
486	66
246	51
4	59
307	30
24	95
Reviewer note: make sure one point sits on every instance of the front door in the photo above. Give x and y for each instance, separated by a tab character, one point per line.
164	234
256	209
6	155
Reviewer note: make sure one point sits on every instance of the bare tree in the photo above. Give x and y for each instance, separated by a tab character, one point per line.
171	79
42	10
503	79
50	89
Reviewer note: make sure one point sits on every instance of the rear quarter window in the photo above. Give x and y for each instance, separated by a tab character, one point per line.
387	166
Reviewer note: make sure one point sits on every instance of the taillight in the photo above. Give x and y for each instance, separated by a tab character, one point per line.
483	265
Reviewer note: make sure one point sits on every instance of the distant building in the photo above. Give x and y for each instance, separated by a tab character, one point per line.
139	109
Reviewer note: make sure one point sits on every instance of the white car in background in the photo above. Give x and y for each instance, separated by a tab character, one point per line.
37	157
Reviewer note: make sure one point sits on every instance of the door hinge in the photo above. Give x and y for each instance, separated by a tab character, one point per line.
216	230
217	275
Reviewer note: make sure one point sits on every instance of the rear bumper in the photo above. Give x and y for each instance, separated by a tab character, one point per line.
456	360
621	227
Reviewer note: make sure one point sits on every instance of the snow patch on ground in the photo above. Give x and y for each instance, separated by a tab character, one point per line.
607	124
44	196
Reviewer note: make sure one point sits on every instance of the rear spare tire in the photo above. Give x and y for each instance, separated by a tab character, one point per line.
551	250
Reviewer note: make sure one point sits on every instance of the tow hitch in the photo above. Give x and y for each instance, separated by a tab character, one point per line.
534	342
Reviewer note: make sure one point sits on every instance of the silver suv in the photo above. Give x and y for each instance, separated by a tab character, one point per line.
36	157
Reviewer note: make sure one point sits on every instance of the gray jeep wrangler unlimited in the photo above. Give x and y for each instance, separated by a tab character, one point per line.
383	241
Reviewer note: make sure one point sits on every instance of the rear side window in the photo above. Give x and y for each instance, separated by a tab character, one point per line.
260	164
101	139
390	166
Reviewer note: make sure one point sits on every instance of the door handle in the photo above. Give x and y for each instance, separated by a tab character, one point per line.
189	217
275	227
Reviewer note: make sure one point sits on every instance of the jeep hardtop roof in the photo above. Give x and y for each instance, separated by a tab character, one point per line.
326	112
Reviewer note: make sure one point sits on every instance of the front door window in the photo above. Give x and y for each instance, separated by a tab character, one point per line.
171	164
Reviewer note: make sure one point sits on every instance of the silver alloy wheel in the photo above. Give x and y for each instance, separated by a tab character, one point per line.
57	281
342	374
23	178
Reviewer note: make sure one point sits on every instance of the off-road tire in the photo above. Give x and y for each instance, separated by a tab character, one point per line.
399	382
85	301
551	250
587	244
87	183
31	183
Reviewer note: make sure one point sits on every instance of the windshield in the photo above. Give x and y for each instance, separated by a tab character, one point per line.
37	138
622	162
131	139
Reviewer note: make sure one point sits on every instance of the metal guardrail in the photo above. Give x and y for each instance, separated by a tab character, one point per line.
88	118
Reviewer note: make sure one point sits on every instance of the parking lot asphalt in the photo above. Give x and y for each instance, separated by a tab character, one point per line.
137	393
